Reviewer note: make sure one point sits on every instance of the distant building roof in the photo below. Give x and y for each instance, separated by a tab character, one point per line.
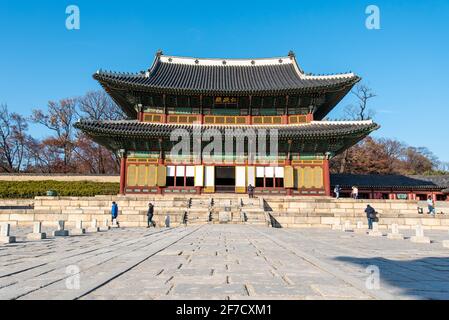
391	181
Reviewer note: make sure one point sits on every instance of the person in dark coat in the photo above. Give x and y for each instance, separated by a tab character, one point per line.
371	216
251	191
150	215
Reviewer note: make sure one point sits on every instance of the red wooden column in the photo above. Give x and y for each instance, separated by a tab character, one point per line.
327	178
123	173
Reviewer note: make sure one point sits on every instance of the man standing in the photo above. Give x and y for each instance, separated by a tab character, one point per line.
150	215
251	191
371	216
431	205
337	191
114	213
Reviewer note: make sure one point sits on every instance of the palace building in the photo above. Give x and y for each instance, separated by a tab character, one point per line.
272	94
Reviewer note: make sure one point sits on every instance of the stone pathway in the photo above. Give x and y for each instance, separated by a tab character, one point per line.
223	262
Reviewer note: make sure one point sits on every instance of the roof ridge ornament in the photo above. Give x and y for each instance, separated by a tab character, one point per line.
159	53
291	54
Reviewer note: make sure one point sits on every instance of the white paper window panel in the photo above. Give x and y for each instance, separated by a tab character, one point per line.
269	172
260	172
199	176
279	172
210	176
190	172
180	171
171	171
240	177
251	176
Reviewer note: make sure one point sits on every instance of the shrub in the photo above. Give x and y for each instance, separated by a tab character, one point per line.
31	189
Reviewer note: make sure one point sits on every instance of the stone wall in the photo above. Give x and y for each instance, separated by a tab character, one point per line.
132	210
325	212
286	212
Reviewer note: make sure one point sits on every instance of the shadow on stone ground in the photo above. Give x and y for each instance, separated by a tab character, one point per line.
426	278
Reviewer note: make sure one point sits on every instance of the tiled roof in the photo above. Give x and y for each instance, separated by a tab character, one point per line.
390	181
316	129
226	76
316	137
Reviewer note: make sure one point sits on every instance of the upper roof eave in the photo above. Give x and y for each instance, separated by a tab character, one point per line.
111	80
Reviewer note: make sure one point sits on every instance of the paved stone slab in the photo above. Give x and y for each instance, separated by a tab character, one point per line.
223	262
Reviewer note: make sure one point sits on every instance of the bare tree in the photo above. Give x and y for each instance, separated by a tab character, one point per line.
60	118
444	167
13	140
360	111
97	105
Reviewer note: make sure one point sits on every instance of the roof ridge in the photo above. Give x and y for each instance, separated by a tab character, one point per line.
226	62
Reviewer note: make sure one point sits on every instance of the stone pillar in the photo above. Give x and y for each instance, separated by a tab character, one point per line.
93	227
105	226
359	228
395	235
5	234
375	232
61	232
337	226
37	232
79	230
347	226
419	237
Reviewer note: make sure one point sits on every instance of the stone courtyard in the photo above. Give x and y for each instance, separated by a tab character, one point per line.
226	262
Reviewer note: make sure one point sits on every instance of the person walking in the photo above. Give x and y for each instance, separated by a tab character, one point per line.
337	191
150	215
114	213
371	216
355	192
431	205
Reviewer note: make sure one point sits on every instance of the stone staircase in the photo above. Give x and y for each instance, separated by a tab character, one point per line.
253	211
198	211
227	210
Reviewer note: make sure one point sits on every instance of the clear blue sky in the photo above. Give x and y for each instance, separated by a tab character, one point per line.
406	62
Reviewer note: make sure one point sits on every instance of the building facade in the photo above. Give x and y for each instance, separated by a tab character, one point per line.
242	98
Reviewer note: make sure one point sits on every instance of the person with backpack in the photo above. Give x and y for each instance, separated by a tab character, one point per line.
371	216
150	215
